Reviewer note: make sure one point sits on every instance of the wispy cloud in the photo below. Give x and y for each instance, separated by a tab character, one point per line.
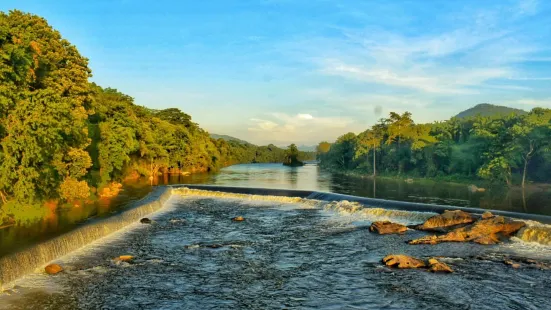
283	127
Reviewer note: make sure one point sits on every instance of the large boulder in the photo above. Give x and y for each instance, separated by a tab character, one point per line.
446	220
403	261
53	269
386	227
484	231
438	266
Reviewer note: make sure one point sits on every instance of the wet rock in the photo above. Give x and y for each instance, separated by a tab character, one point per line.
486	215
487	240
145	220
484	231
446	220
53	269
214	246
238	219
403	261
124	258
438	266
386	227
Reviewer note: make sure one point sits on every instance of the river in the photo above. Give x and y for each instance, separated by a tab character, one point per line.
537	200
310	177
287	254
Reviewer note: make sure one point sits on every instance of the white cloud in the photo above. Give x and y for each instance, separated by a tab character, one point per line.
298	128
545	102
431	80
305	116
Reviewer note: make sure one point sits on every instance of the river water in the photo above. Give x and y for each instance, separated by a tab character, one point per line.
536	200
285	255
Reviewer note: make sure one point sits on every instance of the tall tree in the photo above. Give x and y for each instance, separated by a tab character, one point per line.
44	103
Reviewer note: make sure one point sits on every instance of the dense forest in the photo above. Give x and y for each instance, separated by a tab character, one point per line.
510	149
63	137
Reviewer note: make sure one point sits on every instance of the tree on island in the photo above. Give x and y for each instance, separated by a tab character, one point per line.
291	157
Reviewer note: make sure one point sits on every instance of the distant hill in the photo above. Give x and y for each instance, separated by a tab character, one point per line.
228	138
486	109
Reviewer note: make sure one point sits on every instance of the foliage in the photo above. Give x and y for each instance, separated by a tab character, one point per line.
71	189
495	148
61	134
291	156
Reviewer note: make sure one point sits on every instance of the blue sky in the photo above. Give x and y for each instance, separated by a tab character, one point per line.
302	71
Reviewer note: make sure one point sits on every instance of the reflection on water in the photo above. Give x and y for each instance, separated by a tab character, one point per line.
535	200
63	220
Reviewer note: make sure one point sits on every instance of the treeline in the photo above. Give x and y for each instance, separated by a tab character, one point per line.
501	149
62	136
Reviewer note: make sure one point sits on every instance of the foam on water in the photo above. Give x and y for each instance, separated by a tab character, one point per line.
536	232
361	212
247	197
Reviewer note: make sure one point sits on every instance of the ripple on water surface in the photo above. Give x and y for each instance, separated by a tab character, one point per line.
284	255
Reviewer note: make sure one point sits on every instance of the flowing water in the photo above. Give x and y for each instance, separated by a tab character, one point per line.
536	199
288	254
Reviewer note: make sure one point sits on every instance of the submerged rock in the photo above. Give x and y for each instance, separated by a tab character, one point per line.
213	246
53	269
238	219
446	220
386	227
403	261
484	231
438	266
145	220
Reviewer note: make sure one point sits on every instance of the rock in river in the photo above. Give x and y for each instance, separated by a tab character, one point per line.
437	266
145	220
238	219
403	261
447	220
53	269
386	227
484	231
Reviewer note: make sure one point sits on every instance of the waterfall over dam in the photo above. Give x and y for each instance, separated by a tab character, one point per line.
18	264
23	262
